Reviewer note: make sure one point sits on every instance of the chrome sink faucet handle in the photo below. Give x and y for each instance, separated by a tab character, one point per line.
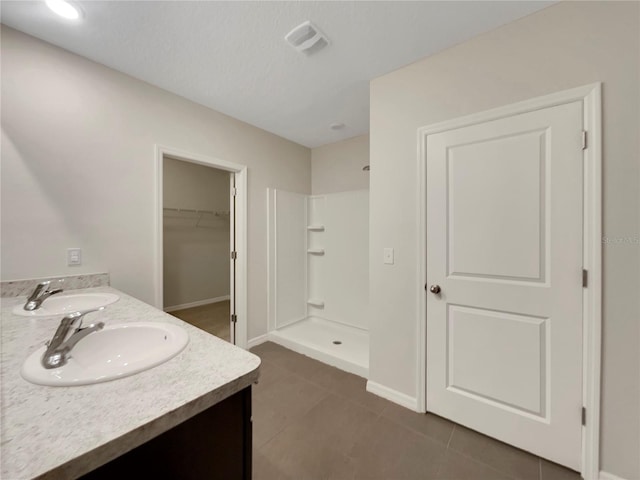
39	295
59	347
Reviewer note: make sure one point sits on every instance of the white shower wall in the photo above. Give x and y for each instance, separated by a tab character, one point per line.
319	248
319	276
289	294
340	277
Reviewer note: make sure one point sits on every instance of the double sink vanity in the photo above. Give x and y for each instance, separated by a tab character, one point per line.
121	391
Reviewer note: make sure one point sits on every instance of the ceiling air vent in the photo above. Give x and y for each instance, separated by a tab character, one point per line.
307	38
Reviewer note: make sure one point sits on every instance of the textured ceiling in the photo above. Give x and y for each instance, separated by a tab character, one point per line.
232	57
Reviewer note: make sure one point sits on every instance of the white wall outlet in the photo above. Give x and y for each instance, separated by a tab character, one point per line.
74	256
388	256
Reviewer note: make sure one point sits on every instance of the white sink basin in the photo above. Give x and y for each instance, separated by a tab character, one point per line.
64	304
114	352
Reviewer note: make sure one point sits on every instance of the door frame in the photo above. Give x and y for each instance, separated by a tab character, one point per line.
590	96
240	172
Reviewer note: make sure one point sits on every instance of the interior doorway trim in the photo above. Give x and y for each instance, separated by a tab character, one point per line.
591	98
240	172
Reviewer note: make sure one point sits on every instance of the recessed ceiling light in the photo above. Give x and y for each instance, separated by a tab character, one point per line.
336	126
64	9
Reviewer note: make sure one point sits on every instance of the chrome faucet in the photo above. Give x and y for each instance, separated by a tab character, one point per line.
59	347
39	295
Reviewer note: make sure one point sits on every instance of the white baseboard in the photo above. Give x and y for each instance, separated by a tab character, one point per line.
609	476
199	303
393	395
254	342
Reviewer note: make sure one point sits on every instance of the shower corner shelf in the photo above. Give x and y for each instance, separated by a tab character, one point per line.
315	302
316	251
315	228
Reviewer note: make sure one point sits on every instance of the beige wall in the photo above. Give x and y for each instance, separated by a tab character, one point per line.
337	167
78	168
196	246
563	46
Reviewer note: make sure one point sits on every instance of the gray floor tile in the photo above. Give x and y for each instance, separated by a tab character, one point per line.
552	471
264	469
456	466
278	403
512	461
392	451
265	349
301	458
269	373
289	360
334	421
428	424
350	386
312	421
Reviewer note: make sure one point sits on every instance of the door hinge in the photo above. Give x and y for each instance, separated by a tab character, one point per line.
234	191
584	139
584	416
234	255
585	278
234	318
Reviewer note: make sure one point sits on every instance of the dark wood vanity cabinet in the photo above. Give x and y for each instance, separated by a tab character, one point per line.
215	444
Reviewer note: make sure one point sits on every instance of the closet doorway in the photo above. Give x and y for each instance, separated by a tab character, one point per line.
201	248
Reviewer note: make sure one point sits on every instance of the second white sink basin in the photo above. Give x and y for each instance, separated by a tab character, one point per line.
114	352
65	304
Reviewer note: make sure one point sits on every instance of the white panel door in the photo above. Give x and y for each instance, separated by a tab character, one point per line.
504	245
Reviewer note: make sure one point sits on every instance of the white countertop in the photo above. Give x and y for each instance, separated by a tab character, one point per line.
65	432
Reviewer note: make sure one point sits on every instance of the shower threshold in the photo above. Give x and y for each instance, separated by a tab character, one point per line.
335	344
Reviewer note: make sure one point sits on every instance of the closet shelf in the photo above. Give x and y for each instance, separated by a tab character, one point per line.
198	216
315	228
316	302
191	211
316	251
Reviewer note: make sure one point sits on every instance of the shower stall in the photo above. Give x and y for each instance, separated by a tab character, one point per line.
319	276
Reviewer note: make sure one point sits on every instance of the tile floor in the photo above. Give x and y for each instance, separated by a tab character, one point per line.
312	421
212	318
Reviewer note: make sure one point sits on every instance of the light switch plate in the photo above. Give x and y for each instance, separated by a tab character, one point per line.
74	256
388	256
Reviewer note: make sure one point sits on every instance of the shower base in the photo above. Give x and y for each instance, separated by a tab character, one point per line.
315	337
